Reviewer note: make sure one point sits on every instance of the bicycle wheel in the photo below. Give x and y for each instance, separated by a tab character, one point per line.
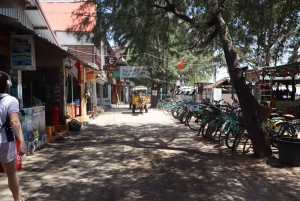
174	112
247	145
159	105
193	121
284	130
230	137
188	116
287	131
215	135
182	115
238	138
211	128
223	132
166	109
204	125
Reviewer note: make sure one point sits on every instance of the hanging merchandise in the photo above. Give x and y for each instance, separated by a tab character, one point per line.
263	84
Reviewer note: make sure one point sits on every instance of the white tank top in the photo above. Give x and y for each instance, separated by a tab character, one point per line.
8	105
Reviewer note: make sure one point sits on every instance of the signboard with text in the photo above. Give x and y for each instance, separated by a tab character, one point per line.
134	71
22	52
110	63
90	76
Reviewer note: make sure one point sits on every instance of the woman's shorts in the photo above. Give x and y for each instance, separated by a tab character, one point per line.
8	151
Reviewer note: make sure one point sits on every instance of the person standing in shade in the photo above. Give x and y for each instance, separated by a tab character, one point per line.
9	117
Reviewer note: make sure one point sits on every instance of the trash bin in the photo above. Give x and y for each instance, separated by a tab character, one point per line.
297	112
54	115
288	151
77	110
18	160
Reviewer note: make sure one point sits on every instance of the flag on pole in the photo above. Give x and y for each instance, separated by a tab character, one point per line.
181	64
76	71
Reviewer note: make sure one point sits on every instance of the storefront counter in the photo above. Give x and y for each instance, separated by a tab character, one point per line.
33	127
289	107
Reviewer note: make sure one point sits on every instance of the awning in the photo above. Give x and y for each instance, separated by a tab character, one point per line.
7	21
218	83
101	80
101	77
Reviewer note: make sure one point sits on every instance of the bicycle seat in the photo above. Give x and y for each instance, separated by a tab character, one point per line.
273	115
278	118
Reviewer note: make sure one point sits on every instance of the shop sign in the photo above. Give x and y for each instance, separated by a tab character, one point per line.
90	76
110	68
110	63
134	71
217	94
110	74
22	52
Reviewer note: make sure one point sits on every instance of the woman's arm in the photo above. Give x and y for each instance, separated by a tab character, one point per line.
16	126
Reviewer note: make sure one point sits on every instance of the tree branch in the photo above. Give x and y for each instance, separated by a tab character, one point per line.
172	8
210	38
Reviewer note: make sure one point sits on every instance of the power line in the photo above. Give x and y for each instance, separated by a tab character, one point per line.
132	55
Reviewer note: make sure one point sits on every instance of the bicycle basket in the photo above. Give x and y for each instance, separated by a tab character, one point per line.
226	116
212	112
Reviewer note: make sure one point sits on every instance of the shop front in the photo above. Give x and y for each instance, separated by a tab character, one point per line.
18	59
280	87
40	81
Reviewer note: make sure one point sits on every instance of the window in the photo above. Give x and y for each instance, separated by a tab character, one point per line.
105	91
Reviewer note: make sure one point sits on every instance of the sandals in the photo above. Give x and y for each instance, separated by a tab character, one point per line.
23	197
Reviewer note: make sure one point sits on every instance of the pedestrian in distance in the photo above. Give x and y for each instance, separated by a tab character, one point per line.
9	119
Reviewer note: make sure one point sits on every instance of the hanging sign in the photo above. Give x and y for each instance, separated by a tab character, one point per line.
110	63
110	74
22	52
217	94
90	76
134	71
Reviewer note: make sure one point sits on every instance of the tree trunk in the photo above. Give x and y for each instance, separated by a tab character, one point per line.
154	99
248	103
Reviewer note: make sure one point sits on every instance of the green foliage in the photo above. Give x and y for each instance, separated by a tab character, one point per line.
263	32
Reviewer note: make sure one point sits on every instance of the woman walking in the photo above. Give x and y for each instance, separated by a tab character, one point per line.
9	119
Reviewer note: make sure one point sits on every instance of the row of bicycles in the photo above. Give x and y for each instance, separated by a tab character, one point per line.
223	123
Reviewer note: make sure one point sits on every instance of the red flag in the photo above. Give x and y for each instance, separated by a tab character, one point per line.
77	65
181	64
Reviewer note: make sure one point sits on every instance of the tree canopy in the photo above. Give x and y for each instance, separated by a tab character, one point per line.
264	32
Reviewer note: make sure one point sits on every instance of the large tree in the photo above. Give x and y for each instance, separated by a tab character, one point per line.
261	25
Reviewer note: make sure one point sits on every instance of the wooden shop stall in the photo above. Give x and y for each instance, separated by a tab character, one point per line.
280	86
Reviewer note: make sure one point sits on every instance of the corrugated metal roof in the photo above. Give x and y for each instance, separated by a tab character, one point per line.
6	21
60	14
217	83
37	21
12	4
17	14
40	23
32	18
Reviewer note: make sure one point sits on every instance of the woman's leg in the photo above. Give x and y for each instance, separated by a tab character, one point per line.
13	179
